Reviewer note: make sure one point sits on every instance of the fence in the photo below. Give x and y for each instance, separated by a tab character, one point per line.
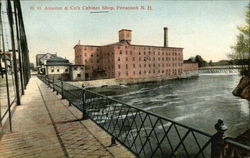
144	133
14	58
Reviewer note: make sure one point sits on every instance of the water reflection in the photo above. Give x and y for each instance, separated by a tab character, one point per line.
244	108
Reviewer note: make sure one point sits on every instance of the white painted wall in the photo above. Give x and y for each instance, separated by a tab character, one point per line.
56	70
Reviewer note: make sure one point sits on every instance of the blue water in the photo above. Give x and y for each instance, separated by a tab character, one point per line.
198	102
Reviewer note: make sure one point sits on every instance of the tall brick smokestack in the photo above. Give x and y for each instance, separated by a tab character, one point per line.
165	36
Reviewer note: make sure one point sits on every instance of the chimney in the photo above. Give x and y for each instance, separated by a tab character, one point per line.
125	35
165	36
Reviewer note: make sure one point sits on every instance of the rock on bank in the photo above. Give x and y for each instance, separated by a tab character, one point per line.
243	88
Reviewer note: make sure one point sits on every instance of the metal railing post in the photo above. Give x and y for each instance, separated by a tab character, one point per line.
113	142
53	83
217	146
47	81
84	113
62	89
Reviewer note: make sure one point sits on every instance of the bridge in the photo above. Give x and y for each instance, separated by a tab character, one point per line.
144	133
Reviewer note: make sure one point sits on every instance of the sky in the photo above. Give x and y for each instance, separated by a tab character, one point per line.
207	28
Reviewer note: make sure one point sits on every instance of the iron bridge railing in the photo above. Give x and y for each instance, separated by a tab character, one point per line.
144	133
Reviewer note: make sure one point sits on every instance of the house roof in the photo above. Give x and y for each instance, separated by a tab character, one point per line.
57	61
155	46
125	30
122	42
86	45
44	54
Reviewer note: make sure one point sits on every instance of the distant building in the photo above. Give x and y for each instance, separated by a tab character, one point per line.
4	68
77	72
60	68
190	69
123	60
41	58
32	66
41	61
8	67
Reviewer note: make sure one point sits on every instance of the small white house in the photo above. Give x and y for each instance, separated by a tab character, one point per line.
77	72
60	68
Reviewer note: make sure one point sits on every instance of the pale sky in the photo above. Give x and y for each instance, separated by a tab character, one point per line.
207	28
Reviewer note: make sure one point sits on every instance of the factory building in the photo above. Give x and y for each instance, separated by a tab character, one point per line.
124	60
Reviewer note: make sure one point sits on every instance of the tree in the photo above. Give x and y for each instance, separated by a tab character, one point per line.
201	63
190	60
241	49
210	63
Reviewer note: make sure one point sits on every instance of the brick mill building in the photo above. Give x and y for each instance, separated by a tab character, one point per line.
123	60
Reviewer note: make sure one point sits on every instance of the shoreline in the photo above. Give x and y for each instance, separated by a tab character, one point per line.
123	82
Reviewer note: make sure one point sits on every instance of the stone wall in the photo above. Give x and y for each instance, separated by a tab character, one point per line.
113	81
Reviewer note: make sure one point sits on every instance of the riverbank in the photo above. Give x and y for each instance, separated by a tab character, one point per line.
243	88
123	82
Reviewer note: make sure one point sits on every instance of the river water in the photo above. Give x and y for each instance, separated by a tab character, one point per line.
197	102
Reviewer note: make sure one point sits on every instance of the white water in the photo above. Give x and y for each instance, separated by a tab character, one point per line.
195	102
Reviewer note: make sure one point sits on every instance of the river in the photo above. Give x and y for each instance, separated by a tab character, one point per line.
197	102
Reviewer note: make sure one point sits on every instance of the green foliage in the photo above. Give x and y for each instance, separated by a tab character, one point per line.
197	59
210	63
241	49
190	60
201	63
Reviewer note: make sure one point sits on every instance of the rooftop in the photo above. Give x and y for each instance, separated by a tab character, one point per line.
122	42
57	61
